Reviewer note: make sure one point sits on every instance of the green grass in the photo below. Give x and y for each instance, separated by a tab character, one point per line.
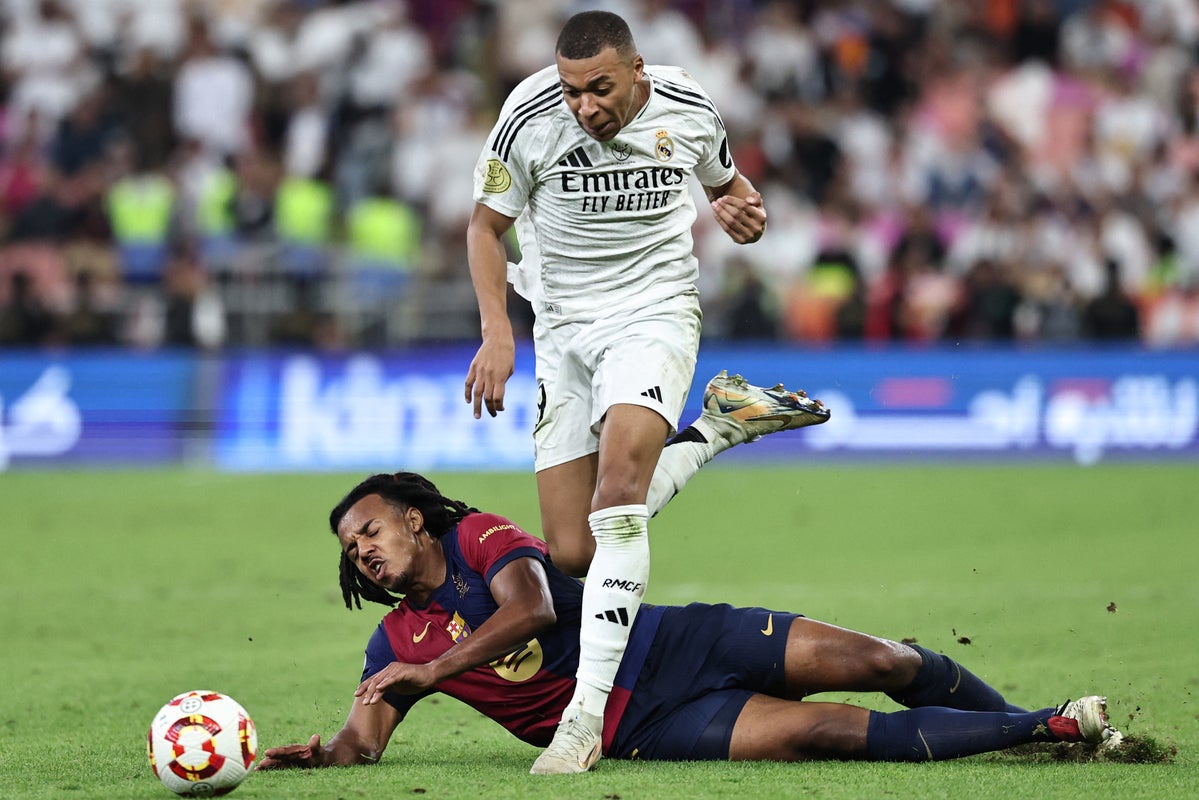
120	589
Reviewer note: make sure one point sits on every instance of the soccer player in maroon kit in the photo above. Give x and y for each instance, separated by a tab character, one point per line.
486	617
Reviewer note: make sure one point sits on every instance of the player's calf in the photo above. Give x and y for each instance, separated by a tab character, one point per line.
941	681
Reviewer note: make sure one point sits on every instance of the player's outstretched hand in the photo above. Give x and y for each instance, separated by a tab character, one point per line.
489	371
294	756
743	219
395	677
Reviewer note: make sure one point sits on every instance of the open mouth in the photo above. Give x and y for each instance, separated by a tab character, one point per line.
377	567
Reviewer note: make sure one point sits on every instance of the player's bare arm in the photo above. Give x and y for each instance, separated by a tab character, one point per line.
361	740
495	360
526	607
738	209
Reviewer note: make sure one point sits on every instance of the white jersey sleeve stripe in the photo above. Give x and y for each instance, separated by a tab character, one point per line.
539	104
509	138
522	108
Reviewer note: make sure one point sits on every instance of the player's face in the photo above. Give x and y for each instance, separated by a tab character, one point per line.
602	91
387	546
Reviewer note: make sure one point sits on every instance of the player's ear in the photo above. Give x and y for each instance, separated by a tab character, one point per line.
416	520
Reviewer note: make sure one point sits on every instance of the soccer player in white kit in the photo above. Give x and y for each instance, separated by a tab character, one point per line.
592	158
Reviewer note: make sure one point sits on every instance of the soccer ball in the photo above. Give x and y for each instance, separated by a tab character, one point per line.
202	744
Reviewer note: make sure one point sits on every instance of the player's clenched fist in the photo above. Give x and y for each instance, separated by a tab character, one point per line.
743	219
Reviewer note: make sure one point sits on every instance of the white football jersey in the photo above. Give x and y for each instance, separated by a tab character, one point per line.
611	220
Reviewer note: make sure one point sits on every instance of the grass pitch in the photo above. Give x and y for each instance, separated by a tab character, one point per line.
121	589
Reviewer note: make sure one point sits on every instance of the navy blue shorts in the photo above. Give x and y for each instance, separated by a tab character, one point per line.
704	664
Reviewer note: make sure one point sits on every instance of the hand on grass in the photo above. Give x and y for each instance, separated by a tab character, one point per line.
294	756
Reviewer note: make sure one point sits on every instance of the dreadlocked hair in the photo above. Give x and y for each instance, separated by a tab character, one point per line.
403	490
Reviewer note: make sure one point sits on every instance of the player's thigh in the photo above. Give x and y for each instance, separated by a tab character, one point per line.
585	368
565	492
775	729
823	658
564	430
648	361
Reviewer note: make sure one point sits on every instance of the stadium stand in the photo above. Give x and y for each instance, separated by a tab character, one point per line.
207	173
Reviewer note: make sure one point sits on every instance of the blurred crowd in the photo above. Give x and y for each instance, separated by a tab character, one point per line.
298	172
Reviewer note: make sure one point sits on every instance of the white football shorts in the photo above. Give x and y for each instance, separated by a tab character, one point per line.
585	368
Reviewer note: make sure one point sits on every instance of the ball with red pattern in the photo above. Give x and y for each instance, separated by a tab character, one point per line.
202	744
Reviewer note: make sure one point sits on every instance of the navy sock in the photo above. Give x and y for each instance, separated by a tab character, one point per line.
935	734
944	682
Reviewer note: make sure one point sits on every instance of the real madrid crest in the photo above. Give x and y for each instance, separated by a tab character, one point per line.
664	148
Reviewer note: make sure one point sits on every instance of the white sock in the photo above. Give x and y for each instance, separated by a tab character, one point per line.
680	461
611	596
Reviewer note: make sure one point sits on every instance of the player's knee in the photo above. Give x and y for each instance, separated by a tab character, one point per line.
573	557
889	664
618	490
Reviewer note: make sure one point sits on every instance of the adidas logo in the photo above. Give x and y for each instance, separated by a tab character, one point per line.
654	393
620	616
576	158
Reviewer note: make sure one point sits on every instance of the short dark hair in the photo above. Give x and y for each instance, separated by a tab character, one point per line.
402	490
587	33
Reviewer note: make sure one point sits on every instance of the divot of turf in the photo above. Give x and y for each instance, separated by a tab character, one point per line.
1133	750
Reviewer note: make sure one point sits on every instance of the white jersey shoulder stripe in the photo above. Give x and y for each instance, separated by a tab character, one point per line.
541	102
669	91
682	89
